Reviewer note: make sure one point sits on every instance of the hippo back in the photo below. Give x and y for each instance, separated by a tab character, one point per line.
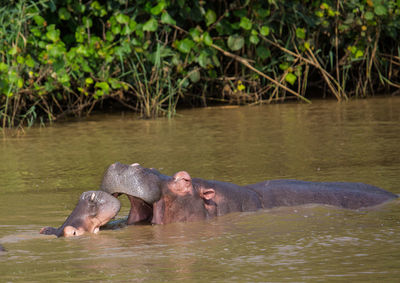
343	194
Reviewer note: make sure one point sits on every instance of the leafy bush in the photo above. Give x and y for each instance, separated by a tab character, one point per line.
65	57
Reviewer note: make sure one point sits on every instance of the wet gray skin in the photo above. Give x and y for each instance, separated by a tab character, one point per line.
94	209
133	180
141	185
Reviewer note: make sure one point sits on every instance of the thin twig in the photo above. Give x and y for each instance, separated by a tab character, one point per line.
247	64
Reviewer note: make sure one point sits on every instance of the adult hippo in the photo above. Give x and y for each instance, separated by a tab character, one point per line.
94	209
161	199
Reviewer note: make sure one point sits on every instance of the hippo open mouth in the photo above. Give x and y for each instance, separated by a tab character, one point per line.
141	212
141	185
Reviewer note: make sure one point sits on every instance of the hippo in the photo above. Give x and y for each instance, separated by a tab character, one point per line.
160	199
94	209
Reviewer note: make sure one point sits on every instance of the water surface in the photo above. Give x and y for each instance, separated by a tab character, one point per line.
44	171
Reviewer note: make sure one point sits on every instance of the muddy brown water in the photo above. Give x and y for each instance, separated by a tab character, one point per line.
43	173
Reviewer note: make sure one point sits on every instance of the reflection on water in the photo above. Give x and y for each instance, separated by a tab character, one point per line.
44	172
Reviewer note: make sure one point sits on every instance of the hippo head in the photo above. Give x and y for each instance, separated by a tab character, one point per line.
184	201
94	209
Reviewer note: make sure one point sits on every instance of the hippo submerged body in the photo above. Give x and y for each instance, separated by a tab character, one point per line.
180	198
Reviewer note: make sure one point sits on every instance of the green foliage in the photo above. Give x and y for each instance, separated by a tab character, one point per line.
63	57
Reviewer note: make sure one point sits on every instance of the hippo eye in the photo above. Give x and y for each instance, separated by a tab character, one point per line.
74	233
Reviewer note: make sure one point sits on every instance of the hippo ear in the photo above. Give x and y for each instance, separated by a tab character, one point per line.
207	193
183	183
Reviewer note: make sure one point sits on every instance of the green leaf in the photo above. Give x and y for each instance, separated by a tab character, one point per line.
319	14
115	84
263	52
122	19
235	42
150	25
13	50
3	67
211	17
87	22
13	76
369	16
359	53
20	82
254	39
194	76
55	50
88	81
245	23
95	5
324	6
204	59
301	33
132	24
139	31
63	14
80	34
263	13
380	10
81	8
216	61
185	45
39	20
126	30
116	29
64	79
284	66
158	8
167	19
195	34
36	32
291	78
102	88
264	30
20	59
52	33
207	39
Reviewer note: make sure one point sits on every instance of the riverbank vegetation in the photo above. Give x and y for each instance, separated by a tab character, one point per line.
61	58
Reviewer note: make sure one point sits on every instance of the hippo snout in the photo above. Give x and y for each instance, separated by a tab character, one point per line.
133	180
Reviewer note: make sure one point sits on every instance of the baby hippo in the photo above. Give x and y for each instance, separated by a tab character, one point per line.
94	209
